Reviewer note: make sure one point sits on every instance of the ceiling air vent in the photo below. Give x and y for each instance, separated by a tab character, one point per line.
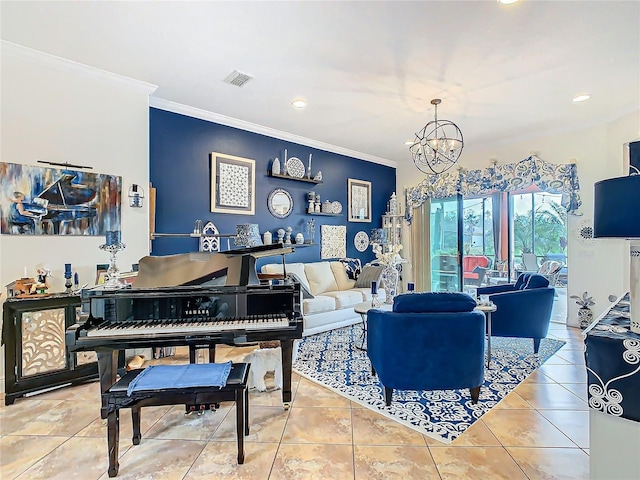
238	78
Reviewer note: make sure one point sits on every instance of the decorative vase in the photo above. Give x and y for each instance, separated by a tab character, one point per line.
585	317
275	167
389	279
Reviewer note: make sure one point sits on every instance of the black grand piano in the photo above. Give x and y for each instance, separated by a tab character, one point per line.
213	298
64	202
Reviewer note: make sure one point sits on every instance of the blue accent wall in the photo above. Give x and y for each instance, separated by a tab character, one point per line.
180	148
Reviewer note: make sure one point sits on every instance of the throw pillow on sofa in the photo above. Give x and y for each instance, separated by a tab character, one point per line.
340	274
320	277
353	267
369	274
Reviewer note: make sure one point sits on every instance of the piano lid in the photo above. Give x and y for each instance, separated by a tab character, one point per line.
63	192
233	267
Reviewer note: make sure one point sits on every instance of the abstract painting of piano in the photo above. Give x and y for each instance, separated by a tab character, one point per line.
51	201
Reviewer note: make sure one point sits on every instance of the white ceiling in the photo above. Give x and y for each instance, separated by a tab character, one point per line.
367	69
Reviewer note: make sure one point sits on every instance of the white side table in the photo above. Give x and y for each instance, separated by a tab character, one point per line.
488	309
362	309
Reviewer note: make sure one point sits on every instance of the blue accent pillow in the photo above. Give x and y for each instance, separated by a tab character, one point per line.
433	302
353	266
521	281
536	281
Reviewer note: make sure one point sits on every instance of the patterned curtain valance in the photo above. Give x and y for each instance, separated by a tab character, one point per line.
551	178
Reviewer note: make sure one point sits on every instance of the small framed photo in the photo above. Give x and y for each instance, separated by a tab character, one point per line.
359	192
233	181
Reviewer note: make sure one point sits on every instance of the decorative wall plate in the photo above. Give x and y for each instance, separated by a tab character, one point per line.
336	207
584	232
295	167
361	241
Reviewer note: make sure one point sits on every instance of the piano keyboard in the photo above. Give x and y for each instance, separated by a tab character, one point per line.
169	327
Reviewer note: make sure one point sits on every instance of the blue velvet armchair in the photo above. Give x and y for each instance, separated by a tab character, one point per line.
524	308
430	341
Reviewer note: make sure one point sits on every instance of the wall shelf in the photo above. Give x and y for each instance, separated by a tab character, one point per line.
326	214
296	245
287	177
192	235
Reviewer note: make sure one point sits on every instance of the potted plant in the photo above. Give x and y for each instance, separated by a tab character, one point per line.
585	315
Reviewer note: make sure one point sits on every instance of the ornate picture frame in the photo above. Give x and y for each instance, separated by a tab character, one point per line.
359	193
233	184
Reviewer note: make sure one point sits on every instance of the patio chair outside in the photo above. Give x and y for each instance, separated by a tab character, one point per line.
529	263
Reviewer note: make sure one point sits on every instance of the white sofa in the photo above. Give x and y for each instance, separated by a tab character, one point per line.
334	294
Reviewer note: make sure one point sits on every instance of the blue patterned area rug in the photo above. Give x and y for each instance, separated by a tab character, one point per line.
331	360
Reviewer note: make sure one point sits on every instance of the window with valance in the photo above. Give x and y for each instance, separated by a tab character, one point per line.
552	178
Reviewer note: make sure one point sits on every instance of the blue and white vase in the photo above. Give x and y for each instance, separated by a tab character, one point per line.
389	279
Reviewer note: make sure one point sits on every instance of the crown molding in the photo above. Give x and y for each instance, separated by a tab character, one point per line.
42	58
269	132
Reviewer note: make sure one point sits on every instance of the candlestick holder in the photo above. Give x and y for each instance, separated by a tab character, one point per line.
68	283
375	301
113	274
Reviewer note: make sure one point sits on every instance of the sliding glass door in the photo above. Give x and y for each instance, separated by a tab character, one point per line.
539	226
445	222
481	237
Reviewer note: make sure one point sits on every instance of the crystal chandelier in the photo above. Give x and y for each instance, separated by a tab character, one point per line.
438	145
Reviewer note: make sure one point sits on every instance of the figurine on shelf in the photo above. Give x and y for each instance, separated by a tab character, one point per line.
280	235
275	167
311	197
287	240
318	177
41	283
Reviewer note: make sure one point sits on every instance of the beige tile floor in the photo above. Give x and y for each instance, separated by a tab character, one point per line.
539	431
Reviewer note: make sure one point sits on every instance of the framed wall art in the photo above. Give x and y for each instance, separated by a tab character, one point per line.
333	241
233	182
359	193
57	201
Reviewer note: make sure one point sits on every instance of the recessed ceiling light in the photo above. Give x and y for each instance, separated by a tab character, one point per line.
581	98
299	103
507	2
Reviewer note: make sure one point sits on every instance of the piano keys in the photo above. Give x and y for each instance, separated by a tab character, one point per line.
173	326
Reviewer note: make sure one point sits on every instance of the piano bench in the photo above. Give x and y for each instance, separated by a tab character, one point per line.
116	398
